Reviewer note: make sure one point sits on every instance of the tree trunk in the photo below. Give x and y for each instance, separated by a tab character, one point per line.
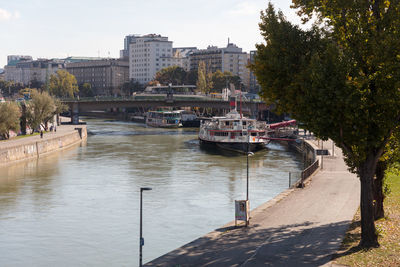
378	190
369	237
23	120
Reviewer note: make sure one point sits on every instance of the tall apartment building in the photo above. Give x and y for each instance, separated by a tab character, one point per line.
25	70
149	54
230	58
254	87
124	53
105	75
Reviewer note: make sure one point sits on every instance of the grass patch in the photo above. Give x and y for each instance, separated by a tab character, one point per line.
22	136
25	136
388	228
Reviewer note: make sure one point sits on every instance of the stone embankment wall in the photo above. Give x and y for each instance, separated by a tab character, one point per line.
37	148
307	149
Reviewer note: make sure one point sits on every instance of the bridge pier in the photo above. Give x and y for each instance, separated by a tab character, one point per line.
75	113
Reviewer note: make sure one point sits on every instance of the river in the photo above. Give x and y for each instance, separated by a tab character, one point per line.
80	206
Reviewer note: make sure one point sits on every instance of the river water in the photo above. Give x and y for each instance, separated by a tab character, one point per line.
80	206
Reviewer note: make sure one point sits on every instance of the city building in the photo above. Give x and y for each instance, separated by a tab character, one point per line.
124	53
22	69
149	54
231	58
12	58
105	75
181	56
2	75
254	87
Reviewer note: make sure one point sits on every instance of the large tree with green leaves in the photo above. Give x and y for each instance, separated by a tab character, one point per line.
63	84
9	118
222	80
40	109
174	75
85	90
341	78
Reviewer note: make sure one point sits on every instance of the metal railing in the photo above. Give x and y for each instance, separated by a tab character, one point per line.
296	179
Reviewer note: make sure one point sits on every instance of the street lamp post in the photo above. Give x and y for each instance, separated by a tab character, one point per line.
247	177
141	224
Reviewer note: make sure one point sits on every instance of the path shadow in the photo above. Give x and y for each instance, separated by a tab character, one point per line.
356	236
304	244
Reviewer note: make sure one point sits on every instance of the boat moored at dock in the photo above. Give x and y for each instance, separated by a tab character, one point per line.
233	132
164	119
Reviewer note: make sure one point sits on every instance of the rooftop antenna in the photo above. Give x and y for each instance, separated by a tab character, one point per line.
228	41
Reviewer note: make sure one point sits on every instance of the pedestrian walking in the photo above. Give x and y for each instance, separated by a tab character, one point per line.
41	133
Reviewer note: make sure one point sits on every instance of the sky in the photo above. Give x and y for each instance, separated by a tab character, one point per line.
59	28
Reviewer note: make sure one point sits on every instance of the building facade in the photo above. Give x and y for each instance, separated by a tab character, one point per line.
25	70
124	53
230	58
104	75
254	87
181	56
12	58
149	54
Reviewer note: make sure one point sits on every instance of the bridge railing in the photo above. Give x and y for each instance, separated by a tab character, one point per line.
152	97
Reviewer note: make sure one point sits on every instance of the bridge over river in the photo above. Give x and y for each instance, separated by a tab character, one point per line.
151	101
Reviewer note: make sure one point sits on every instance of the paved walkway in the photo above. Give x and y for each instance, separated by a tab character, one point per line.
302	227
61	130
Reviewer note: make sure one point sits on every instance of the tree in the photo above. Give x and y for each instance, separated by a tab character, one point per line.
9	118
222	80
191	77
40	109
174	75
219	81
131	86
85	90
390	157
201	78
36	84
341	78
63	84
8	88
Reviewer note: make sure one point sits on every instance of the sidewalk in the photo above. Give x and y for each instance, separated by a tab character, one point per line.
61	131
303	228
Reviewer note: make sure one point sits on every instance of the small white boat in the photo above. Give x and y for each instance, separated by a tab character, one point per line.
165	119
234	132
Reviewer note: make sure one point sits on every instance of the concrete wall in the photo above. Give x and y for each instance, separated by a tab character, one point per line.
41	147
307	149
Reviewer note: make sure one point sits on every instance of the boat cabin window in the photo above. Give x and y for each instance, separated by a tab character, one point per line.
227	123
261	133
221	133
244	122
253	134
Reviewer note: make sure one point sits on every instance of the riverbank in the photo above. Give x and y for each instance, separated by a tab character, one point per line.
29	147
299	227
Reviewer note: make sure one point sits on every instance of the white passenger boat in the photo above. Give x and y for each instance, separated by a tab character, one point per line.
233	132
189	118
167	119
